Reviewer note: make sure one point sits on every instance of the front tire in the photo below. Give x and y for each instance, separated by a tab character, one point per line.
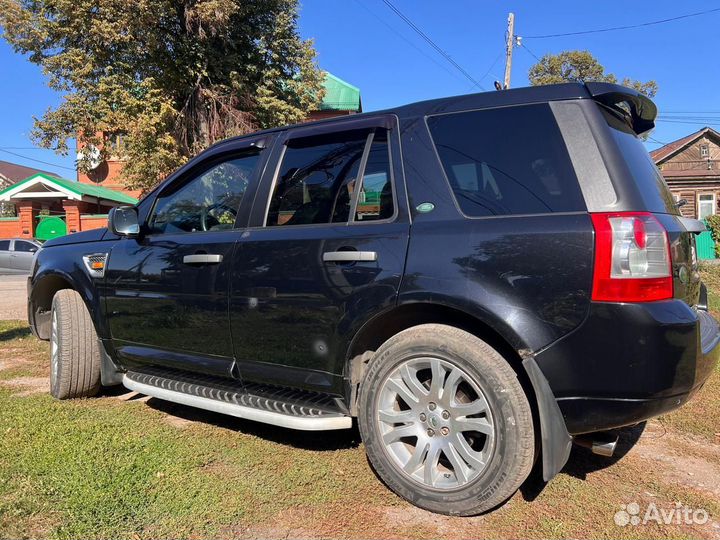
74	348
445	421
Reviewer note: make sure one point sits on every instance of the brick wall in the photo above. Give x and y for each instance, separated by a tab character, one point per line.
9	228
93	221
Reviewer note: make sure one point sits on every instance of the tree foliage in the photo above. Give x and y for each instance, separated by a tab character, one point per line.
580	66
174	76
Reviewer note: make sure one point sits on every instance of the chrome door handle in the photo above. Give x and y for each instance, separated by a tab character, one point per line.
202	258
350	256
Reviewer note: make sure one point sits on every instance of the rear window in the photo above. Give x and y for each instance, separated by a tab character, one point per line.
652	186
506	161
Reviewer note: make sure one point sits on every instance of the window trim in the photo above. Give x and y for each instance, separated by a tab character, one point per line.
372	124
361	177
396	210
199	168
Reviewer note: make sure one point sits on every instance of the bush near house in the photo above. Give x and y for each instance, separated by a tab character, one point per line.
713	223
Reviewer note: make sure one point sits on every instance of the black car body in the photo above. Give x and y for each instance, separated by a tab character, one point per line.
484	218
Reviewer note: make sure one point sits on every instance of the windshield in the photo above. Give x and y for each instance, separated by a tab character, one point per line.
653	188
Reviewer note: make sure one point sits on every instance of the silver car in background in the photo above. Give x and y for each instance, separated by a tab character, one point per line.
16	255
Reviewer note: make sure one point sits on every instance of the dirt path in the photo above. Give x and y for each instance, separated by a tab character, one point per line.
13	291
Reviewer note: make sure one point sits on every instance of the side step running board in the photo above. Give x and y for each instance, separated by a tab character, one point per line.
234	402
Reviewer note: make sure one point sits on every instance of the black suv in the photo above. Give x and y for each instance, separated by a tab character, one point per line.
479	280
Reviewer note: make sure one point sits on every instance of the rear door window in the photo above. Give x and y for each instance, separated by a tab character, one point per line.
375	200
506	161
320	180
4	245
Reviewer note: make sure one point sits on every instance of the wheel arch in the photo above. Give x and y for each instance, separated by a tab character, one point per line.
553	439
383	326
44	288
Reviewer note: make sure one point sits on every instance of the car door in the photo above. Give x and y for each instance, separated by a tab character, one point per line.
22	255
167	290
5	254
324	250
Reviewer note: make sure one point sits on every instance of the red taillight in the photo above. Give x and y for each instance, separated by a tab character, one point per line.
632	258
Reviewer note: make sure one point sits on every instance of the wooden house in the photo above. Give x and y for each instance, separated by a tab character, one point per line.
691	167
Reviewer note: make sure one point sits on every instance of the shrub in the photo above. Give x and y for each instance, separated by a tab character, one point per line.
713	223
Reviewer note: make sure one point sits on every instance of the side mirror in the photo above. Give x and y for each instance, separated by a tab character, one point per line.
123	221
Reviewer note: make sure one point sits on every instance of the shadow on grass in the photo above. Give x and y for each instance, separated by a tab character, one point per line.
341	439
583	462
15	333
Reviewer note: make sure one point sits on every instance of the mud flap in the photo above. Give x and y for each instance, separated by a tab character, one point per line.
555	440
110	374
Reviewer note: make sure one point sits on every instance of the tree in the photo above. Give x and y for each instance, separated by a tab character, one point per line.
173	76
580	66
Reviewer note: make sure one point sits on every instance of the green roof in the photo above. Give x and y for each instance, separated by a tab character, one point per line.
340	95
78	188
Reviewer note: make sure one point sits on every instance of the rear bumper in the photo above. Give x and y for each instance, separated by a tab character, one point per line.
630	362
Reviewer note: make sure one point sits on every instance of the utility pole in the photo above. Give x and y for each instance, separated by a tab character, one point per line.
509	49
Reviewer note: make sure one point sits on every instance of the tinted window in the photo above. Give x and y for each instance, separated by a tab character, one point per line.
652	186
25	246
4	245
316	179
209	201
375	200
506	161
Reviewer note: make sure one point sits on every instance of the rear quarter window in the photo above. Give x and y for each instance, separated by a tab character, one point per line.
506	161
650	182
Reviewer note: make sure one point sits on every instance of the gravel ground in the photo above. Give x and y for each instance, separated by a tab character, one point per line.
13	297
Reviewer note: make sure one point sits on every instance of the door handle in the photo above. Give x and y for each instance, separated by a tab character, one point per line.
350	256
202	258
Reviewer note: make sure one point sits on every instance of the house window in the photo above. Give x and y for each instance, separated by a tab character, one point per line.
706	205
704	151
115	143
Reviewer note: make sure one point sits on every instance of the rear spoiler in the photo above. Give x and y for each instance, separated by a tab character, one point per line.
639	108
694	226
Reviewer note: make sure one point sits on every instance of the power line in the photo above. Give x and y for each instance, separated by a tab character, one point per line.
531	53
433	44
628	27
37	160
691	112
656	141
406	40
677	121
498	57
22	148
691	118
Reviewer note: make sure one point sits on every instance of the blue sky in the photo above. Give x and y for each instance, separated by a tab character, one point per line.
365	43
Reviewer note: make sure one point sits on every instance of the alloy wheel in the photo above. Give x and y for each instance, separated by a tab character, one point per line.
435	422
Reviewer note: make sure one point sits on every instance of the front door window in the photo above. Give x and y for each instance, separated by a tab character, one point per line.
208	202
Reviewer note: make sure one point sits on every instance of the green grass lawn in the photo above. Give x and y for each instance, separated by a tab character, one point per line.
112	468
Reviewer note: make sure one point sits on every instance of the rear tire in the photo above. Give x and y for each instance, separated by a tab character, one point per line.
445	421
74	348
